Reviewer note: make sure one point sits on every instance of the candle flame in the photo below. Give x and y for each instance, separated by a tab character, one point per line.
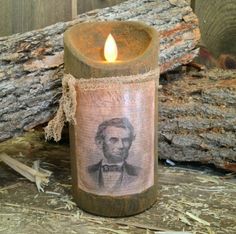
110	49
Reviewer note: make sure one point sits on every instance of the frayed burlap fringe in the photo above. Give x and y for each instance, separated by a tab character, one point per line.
67	104
66	110
109	82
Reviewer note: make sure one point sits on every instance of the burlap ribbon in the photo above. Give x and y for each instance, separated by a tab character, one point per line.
67	104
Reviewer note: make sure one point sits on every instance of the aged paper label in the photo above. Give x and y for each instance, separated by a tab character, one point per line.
114	138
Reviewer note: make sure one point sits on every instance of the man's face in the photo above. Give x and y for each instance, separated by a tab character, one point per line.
116	144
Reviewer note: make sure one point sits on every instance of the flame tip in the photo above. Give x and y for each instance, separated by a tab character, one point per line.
110	49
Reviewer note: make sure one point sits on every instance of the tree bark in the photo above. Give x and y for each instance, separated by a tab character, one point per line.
197	119
31	64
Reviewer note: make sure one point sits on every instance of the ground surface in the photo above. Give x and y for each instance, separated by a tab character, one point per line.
198	201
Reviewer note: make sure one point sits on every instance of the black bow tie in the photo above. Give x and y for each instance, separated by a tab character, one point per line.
107	168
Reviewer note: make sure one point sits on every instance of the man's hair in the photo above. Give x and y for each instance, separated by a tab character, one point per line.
115	122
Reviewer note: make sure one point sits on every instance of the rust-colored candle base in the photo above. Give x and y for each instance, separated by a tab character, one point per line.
113	145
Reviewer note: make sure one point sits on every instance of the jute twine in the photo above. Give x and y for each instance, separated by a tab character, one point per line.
67	105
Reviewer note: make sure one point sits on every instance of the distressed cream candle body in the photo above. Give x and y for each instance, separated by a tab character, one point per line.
114	141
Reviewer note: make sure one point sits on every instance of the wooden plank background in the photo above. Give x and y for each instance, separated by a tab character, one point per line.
87	5
17	16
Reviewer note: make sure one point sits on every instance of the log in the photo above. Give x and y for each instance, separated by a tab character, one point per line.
217	24
197	118
31	64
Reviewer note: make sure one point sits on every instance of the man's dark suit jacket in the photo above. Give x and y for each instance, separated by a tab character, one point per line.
129	174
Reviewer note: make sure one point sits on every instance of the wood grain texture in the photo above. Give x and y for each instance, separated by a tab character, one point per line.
6	27
74	8
218	25
88	5
26	15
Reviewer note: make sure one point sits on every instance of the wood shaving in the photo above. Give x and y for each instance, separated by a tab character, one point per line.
194	217
36	174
